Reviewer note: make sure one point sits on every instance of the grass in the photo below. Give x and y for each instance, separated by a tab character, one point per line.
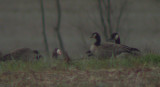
120	72
150	60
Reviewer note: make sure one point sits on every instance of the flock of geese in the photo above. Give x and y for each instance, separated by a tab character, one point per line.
111	48
26	54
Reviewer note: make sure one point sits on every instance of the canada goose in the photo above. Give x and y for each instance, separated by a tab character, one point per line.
115	38
109	49
25	54
56	52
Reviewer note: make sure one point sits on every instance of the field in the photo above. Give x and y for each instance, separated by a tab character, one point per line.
21	26
88	72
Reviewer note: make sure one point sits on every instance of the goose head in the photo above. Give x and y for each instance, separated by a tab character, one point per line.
116	37
56	52
97	37
38	54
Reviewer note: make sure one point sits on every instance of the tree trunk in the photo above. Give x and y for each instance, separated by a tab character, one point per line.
57	29
43	28
109	17
102	20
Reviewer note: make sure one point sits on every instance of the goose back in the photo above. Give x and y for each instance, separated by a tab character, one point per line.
109	49
25	54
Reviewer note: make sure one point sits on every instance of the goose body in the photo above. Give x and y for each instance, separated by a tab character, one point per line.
109	49
115	38
25	54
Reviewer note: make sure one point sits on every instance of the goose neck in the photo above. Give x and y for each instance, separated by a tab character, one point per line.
117	41
98	41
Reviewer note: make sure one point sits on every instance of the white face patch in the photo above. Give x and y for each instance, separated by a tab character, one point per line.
59	52
116	37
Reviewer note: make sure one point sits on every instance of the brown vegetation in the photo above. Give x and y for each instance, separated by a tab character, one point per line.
133	77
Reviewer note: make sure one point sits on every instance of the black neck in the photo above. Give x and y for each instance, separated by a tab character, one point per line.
98	41
118	41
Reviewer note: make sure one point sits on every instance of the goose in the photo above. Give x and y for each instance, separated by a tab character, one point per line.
56	52
25	54
109	49
115	38
38	54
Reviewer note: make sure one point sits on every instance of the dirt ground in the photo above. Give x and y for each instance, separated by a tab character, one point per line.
135	77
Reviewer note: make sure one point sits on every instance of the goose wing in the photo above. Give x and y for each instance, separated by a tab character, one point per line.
116	48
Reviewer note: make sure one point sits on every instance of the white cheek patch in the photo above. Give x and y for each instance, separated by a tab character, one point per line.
59	52
116	37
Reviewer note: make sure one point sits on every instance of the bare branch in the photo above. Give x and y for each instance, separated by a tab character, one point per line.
109	17
120	14
102	19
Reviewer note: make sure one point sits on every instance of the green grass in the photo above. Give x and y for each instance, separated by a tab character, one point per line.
119	72
150	60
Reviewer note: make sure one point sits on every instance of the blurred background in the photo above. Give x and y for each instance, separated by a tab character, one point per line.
136	21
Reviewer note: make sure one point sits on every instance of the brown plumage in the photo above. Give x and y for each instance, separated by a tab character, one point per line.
38	54
25	54
67	59
109	49
58	52
116	39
